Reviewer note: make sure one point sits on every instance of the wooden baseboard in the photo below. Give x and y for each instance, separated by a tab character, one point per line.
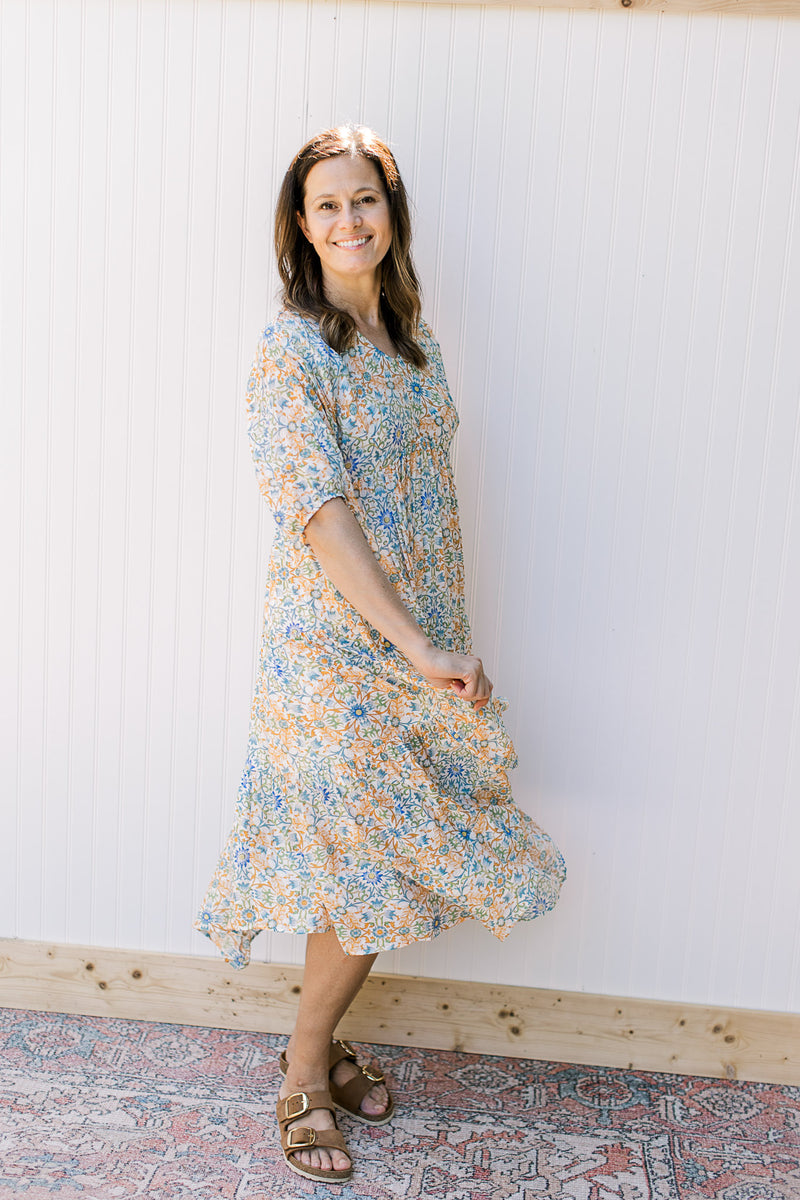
753	8
481	1018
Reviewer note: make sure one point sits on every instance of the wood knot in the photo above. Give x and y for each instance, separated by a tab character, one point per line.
137	974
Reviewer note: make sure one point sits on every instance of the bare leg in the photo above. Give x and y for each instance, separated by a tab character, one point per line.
331	981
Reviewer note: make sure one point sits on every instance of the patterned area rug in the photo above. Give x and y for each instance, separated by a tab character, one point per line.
98	1109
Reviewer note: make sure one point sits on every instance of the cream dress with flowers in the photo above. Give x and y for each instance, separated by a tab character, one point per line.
370	802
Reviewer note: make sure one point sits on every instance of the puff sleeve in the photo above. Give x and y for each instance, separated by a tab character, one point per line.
292	435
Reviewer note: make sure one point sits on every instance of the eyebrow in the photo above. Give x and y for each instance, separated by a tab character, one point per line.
332	195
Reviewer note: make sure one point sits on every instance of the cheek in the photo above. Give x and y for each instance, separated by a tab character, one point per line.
317	231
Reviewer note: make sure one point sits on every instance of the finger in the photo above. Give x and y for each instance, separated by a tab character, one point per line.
437	683
471	693
479	688
473	681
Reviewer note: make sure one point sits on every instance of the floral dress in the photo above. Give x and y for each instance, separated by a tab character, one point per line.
371	802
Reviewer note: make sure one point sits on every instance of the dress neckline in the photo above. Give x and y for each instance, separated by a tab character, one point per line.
377	349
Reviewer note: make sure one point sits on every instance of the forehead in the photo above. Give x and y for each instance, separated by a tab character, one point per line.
341	175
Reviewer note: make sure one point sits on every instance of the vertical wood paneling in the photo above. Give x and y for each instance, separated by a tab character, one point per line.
607	232
13	217
12	333
61	443
37	450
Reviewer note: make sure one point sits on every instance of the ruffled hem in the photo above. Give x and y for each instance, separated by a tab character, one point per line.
386	849
234	945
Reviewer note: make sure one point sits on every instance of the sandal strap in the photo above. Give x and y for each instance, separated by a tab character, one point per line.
372	1074
302	1137
350	1094
290	1108
340	1050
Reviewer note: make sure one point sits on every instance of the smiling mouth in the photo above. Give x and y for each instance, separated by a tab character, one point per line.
353	243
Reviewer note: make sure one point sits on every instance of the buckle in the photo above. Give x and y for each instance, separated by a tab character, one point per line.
348	1049
374	1076
305	1105
309	1141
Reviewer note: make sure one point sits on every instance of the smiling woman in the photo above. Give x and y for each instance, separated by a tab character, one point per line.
374	808
322	165
346	219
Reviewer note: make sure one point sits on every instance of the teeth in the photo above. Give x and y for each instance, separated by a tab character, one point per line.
354	242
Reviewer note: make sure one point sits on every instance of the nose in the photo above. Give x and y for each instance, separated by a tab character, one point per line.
349	215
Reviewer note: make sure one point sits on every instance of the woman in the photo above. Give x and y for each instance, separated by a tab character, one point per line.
374	809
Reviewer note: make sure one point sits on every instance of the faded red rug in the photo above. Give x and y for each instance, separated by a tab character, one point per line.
98	1109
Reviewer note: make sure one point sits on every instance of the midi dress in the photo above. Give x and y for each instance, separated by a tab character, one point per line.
371	802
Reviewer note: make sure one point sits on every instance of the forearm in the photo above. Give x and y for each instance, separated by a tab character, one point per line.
344	554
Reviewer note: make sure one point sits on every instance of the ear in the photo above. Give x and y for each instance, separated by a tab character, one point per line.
301	221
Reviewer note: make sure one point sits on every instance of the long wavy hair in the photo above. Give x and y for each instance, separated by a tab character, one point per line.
298	262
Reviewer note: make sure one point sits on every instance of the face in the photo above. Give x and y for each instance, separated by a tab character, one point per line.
346	218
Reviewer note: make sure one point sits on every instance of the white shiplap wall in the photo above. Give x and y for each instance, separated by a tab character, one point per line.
608	237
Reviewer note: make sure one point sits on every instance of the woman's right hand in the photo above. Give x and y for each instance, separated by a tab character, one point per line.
461	673
345	556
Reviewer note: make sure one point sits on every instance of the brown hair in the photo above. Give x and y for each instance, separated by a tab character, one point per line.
298	262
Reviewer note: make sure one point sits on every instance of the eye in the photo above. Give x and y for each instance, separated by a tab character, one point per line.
327	204
368	200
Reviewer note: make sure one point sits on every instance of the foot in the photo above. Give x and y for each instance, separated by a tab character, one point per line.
316	1118
376	1100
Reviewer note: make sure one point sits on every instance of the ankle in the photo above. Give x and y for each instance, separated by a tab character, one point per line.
308	1049
308	1074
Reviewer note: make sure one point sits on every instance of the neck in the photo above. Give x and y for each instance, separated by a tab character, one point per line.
359	298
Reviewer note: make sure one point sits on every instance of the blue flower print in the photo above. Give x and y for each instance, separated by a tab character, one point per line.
370	802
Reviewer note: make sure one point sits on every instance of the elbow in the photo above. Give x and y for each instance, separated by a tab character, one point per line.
325	521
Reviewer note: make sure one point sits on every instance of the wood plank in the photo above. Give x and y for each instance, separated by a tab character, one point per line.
758	8
481	1018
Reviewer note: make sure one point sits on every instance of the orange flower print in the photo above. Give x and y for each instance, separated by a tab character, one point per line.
370	802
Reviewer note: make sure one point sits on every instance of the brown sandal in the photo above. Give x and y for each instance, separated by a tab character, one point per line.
348	1096
303	1137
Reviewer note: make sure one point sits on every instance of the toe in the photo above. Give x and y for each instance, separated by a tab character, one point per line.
327	1160
376	1101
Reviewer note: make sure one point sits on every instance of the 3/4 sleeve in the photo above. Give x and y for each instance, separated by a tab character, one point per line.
292	436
